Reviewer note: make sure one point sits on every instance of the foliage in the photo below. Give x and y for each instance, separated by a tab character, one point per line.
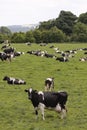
3	37
83	18
80	32
29	37
18	37
65	21
47	24
56	35
5	30
37	35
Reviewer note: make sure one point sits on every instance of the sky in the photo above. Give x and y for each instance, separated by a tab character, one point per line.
21	12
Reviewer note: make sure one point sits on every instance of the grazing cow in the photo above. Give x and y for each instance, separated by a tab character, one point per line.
83	59
9	50
5	46
49	55
49	100
49	84
4	56
18	53
62	59
11	80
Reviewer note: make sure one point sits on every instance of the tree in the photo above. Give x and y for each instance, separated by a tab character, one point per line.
53	35
18	37
3	38
29	37
45	36
79	32
47	24
37	35
66	21
83	18
56	35
5	30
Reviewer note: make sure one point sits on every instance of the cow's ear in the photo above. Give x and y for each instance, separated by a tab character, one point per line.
26	90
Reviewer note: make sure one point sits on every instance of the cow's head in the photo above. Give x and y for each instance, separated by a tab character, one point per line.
31	92
5	78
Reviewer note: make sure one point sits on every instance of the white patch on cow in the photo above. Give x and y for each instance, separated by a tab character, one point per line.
58	108
50	79
20	81
82	59
40	92
30	90
63	113
12	79
42	106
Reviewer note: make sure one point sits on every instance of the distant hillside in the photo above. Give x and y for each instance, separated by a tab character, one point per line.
22	28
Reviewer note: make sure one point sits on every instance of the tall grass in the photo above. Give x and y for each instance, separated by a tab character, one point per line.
16	111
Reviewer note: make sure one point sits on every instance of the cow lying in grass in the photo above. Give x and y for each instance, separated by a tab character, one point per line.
11	80
50	100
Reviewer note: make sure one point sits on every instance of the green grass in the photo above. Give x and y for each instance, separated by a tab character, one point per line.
16	111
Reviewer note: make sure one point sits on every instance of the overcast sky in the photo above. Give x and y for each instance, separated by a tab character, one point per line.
19	12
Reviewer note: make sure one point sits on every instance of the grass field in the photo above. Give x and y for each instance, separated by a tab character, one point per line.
16	111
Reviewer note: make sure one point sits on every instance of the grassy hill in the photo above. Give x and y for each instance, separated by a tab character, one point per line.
16	111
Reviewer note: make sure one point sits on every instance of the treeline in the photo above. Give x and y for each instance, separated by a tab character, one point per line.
66	28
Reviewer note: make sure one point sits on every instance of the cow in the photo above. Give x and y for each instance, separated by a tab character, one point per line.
9	50
28	43
49	84
18	53
50	100
12	80
62	59
83	59
5	46
49	55
4	56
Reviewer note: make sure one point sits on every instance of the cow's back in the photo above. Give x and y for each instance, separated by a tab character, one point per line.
50	99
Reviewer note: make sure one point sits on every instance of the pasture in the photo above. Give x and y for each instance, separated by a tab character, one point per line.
16	111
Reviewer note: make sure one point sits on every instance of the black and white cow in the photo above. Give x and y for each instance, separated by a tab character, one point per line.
49	84
5	46
49	100
9	50
11	80
83	59
62	59
4	56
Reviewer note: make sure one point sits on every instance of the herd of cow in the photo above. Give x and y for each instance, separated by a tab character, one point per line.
9	52
48	98
64	55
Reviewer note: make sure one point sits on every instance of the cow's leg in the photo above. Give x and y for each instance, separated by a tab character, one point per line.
42	110
47	87
63	113
36	112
